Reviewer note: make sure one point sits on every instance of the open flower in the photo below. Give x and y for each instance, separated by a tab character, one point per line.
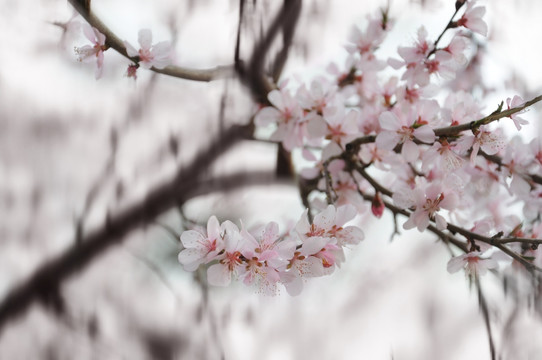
200	248
396	131
428	200
472	18
157	55
516	101
330	223
287	114
230	259
473	263
88	53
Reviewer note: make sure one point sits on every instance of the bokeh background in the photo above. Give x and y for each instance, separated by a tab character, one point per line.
73	149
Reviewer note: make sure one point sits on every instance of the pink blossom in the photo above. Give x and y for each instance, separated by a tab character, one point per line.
472	18
303	264
456	48
320	95
414	58
442	156
230	260
513	103
157	55
287	115
427	200
395	131
200	247
420	50
491	142
87	53
262	258
368	41
473	263
329	223
341	128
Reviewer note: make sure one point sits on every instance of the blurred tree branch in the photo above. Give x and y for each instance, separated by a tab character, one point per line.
45	282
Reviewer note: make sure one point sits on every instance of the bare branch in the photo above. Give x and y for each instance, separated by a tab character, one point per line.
288	30
485	312
255	77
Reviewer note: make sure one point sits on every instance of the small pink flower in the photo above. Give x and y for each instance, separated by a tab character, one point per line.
427	199
472	18
396	131
200	248
515	102
491	142
157	55
303	263
230	260
288	115
330	223
96	50
473	263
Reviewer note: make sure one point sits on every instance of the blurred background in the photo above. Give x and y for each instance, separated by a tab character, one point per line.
75	151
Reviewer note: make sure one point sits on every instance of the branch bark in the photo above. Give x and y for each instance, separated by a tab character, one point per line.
114	42
45	282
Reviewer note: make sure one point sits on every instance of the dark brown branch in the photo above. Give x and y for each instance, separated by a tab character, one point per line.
485	312
237	51
288	30
255	77
495	242
354	145
44	284
114	42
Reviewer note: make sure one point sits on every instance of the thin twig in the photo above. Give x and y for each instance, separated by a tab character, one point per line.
114	42
494	242
454	130
485	312
448	26
186	184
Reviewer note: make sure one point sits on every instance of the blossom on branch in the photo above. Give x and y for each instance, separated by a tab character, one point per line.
396	130
157	55
516	101
201	247
473	263
88	53
472	18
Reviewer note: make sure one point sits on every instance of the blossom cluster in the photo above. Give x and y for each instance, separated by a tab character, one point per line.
149	55
393	133
265	257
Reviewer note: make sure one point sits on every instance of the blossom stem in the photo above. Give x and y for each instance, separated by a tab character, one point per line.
499	244
454	130
448	26
114	42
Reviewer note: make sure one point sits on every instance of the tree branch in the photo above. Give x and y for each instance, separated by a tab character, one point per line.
454	130
255	77
44	284
114	42
288	30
